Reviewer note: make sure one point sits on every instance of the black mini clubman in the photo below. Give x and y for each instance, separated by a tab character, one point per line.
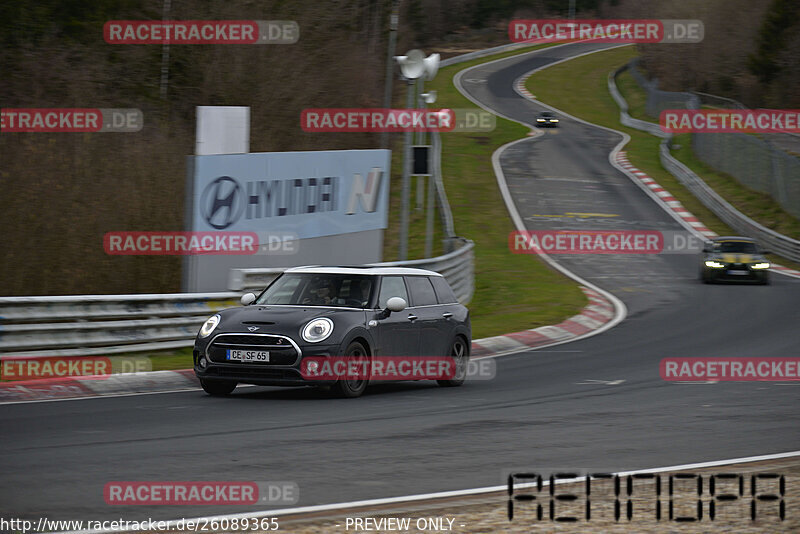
316	313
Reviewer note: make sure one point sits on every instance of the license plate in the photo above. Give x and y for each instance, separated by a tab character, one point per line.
738	272
247	355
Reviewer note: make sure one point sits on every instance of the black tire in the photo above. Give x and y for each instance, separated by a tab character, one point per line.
460	354
351	388
218	388
766	280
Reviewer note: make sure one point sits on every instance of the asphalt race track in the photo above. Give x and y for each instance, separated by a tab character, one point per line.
597	404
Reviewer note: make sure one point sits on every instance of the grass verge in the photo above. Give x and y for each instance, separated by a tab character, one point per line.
758	206
512	292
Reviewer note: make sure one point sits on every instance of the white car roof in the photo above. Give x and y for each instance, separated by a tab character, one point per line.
370	271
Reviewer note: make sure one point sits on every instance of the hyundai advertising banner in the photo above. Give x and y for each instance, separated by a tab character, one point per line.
298	194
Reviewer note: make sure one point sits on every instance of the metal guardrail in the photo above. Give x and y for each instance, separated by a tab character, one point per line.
766	162
773	241
787	141
83	325
624	116
78	325
458	267
445	213
755	162
658	100
482	53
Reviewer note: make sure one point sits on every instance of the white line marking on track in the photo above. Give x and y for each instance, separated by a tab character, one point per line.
619	306
457	493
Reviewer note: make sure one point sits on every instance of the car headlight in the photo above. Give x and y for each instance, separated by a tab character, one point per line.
553	120
209	326
761	265
715	264
317	330
539	120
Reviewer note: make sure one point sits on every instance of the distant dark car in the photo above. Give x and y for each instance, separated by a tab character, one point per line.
314	313
546	119
734	259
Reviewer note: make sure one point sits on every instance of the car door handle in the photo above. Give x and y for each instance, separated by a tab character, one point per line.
412	317
447	315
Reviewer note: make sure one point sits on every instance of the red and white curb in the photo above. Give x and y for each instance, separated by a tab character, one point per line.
524	90
97	386
672	204
604	310
598	312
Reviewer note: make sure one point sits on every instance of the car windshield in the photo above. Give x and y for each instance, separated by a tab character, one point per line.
319	289
741	247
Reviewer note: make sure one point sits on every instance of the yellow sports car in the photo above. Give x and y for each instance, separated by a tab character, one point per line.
734	259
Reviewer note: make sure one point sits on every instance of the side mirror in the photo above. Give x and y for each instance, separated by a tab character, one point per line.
708	247
396	304
765	252
247	299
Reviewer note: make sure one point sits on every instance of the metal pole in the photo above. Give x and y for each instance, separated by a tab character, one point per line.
387	93
165	54
435	140
420	141
404	215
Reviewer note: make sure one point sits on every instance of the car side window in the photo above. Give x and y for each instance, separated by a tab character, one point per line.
422	293
444	293
392	286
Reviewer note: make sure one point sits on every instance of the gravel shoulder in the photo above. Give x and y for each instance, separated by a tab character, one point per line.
489	513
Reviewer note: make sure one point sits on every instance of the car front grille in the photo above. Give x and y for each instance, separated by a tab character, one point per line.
281	350
260	372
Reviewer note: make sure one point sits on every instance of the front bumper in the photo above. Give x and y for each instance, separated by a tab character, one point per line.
736	273
284	369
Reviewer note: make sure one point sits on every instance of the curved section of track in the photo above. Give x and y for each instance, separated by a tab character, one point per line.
595	403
